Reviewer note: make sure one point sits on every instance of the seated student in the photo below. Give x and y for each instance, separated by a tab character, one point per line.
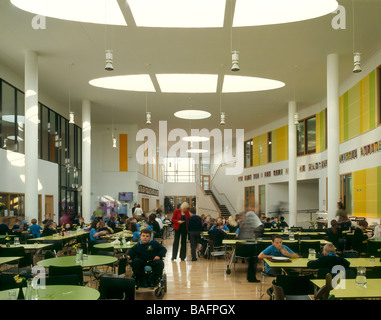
35	229
154	226
112	223
104	227
267	224
4	229
217	234
205	223
359	238
276	249
49	229
219	221
147	252
232	224
282	223
135	233
17	227
95	233
274	222
334	233
329	260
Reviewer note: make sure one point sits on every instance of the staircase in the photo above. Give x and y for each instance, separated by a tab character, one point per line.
222	208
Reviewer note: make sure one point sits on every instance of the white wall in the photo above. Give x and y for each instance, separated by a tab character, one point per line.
12	178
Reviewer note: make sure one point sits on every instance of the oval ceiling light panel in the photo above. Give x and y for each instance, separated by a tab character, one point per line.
192	114
137	82
197	151
249	84
89	11
195	139
178	13
267	12
187	83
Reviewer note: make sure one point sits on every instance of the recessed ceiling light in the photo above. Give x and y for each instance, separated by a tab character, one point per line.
192	114
178	13
137	82
249	84
188	83
195	139
266	12
90	11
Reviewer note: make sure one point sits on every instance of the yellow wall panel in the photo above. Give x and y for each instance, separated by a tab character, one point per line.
281	143
256	151
371	192
341	120
353	111
123	148
263	146
359	192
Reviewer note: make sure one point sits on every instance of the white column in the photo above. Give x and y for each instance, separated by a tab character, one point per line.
292	172
333	134
86	160
31	135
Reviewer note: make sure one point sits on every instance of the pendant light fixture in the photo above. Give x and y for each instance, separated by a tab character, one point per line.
356	55
112	132
235	56
222	114
148	114
109	53
71	113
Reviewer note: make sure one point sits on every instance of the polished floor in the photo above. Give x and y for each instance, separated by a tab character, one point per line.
206	280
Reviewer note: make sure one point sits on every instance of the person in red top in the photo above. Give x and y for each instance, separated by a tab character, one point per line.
180	225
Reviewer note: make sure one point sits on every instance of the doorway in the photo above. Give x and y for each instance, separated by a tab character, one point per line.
346	192
250	198
49	207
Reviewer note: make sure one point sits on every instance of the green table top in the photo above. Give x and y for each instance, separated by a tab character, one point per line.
348	289
29	247
296	233
92	261
3	236
72	235
302	263
115	246
60	293
8	259
234	241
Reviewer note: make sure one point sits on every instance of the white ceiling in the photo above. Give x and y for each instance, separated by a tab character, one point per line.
283	52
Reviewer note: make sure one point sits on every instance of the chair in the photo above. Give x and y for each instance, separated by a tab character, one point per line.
57	246
215	252
306	245
324	292
278	293
373	246
7	281
55	271
113	287
245	250
70	279
295	287
25	261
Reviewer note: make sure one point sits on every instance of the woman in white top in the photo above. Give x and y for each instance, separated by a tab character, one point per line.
377	232
138	213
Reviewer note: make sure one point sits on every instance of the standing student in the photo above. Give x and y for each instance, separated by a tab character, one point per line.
180	224
195	229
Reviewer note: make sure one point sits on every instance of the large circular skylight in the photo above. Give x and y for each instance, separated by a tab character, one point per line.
178	13
266	12
192	114
135	82
90	11
249	84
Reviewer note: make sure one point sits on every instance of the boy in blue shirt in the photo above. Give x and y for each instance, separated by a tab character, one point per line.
276	249
35	229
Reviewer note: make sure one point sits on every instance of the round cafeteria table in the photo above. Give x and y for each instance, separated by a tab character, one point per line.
60	293
109	245
91	261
